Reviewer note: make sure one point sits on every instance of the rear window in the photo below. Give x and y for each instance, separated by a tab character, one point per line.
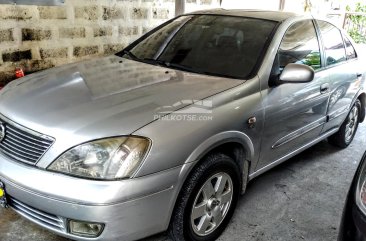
350	50
209	44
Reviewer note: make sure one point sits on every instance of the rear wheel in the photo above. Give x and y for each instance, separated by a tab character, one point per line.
348	129
207	202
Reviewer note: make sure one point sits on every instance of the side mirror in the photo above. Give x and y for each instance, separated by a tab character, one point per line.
296	73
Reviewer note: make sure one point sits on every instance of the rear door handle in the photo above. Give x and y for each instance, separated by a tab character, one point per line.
359	75
324	88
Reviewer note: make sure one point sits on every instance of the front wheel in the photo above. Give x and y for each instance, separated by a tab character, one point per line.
348	129
207	202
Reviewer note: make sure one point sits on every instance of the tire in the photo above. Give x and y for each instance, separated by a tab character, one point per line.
215	210
348	129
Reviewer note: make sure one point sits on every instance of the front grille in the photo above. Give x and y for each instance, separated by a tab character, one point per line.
22	144
42	218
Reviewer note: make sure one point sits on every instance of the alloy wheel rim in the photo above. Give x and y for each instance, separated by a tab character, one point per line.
212	204
351	124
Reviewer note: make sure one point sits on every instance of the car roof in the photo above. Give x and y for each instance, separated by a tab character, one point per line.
250	13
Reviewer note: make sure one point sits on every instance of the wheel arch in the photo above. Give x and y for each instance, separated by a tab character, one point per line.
222	139
235	144
362	98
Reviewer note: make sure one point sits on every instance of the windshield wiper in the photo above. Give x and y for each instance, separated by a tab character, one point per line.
171	65
184	68
130	54
156	61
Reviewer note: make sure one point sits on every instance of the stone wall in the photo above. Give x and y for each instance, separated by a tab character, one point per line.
41	37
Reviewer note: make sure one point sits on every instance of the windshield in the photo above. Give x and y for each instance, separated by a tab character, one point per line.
208	44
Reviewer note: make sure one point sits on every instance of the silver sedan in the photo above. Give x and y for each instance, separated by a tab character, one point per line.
166	134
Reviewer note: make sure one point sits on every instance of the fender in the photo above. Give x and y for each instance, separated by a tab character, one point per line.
222	138
363	110
363	100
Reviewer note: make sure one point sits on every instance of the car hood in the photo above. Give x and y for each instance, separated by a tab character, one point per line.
103	97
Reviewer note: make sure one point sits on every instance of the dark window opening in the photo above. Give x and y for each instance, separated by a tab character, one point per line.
208	44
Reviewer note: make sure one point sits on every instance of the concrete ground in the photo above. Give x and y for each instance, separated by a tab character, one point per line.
302	199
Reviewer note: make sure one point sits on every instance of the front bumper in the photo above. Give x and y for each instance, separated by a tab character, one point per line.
130	209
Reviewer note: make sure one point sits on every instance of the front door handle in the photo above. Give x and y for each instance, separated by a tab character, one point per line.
324	88
359	75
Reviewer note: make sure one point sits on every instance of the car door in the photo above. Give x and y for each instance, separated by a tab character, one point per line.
342	70
294	113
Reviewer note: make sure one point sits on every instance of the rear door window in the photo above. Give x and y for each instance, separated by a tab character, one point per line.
333	43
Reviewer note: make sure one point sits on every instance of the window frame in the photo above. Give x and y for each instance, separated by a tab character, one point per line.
321	46
344	37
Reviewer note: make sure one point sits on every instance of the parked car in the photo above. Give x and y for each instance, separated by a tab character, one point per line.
353	224
166	134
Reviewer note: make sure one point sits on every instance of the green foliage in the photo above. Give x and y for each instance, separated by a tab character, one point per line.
313	60
358	23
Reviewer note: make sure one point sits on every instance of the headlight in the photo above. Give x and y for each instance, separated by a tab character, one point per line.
107	159
361	186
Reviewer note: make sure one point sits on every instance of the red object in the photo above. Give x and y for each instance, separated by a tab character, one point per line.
19	73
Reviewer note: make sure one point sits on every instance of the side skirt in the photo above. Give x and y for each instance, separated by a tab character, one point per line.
293	153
